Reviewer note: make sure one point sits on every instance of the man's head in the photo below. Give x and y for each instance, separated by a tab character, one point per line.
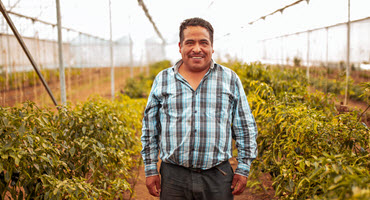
196	44
196	21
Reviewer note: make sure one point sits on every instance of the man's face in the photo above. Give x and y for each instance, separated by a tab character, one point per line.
196	49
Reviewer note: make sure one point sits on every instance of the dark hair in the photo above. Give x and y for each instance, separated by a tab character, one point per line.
196	21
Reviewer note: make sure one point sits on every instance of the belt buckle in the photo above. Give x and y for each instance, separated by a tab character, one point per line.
198	170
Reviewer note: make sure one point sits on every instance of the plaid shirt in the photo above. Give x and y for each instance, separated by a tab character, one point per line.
195	129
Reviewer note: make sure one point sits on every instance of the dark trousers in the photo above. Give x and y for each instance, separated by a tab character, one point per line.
180	183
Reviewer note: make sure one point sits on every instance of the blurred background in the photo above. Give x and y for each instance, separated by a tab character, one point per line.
330	34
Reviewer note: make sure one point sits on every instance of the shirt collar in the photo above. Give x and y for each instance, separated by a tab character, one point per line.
178	64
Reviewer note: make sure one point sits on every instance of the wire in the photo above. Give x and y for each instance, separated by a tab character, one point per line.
14	5
264	17
281	10
141	3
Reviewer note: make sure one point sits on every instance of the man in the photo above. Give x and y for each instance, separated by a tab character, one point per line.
194	110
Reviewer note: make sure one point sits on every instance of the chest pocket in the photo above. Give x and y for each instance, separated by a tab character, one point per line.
219	106
174	101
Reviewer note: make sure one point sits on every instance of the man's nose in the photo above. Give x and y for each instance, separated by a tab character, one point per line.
196	48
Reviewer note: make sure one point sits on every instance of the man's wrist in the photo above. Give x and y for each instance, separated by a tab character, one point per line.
151	170
243	169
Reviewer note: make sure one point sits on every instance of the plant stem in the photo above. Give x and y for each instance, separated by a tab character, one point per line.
363	113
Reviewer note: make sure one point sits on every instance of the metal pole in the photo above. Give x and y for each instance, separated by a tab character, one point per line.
131	58
308	57
26	51
327	59
111	50
348	53
60	52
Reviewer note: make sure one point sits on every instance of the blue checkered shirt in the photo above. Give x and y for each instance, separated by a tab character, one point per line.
195	128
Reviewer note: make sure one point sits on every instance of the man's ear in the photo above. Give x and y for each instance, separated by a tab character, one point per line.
180	47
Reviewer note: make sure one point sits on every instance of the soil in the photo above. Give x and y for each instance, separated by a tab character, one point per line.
90	81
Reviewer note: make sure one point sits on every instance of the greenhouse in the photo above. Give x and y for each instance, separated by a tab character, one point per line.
76	78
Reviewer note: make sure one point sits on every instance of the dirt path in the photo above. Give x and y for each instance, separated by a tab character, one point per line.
90	81
141	193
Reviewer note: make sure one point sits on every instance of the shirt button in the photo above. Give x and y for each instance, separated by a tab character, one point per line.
195	130
195	111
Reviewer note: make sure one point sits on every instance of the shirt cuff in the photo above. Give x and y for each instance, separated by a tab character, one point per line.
151	170
243	169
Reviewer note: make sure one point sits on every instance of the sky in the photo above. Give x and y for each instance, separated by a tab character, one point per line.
229	18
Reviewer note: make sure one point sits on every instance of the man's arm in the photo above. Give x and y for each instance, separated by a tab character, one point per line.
150	134
245	135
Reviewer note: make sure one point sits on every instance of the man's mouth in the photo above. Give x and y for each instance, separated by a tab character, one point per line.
196	57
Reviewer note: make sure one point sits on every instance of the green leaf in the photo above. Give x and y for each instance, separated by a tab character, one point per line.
22	129
30	140
16	161
5	156
336	169
54	135
36	166
338	178
72	151
91	165
20	195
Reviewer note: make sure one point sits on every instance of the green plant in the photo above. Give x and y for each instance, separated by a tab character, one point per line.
310	149
139	87
297	61
80	153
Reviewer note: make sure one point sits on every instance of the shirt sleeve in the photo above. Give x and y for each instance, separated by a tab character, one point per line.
150	133
244	131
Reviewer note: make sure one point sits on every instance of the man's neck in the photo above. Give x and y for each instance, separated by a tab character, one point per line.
193	77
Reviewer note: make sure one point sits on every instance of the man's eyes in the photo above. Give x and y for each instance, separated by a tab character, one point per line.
201	42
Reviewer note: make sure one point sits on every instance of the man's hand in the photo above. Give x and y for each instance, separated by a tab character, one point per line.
238	184
153	183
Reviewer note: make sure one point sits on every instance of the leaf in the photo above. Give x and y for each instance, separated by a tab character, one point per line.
30	140
36	166
72	151
16	161
54	135
5	156
22	129
6	121
338	178
336	169
91	165
84	129
20	196
301	165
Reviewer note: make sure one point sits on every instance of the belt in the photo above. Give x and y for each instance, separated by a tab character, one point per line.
199	170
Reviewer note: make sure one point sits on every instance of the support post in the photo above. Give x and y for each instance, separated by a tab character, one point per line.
308	57
111	50
346	96
60	53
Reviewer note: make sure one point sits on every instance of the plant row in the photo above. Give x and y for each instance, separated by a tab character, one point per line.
311	150
85	152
